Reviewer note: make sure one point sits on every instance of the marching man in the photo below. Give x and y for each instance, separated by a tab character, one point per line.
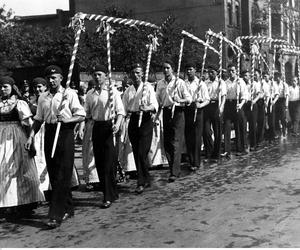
171	91
97	108
140	97
194	115
60	167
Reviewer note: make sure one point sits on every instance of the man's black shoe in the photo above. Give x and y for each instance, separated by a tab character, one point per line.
139	189
106	204
51	224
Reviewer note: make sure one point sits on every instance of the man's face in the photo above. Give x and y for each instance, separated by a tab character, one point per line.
191	72
256	76
295	81
266	77
232	72
137	75
99	77
212	74
54	80
167	69
246	77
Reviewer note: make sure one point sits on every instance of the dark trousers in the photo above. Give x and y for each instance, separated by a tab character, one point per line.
60	169
280	116
270	133
294	109
105	158
212	119
141	138
193	134
173	137
238	119
251	118
261	117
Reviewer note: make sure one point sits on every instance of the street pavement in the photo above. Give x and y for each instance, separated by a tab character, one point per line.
248	201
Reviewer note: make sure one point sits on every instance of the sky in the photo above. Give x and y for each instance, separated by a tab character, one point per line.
34	7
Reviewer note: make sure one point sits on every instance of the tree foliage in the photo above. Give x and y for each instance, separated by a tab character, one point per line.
23	45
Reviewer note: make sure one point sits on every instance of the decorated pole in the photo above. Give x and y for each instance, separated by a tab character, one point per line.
78	25
178	73
111	93
206	44
152	46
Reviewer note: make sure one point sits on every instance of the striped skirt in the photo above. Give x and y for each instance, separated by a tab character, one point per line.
19	182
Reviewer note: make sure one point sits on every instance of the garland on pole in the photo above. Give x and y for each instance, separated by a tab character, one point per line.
78	26
77	23
178	73
152	46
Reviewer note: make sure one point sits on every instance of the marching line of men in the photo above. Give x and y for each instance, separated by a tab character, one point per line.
197	110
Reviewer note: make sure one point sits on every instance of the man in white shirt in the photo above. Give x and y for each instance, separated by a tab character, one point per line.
194	115
58	105
106	124
140	99
172	95
233	112
294	106
250	107
213	115
271	95
281	106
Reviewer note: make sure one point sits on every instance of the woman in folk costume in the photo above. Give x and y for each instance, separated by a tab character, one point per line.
88	161
19	182
125	155
40	86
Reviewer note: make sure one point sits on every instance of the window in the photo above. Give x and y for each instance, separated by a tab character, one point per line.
229	11
237	13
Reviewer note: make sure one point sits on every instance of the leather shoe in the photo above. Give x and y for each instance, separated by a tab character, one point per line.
51	224
139	189
67	216
106	204
147	185
172	178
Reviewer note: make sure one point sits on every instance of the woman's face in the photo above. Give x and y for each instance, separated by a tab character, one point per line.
40	88
6	90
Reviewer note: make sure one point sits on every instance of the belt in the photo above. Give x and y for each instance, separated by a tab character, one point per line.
213	101
231	100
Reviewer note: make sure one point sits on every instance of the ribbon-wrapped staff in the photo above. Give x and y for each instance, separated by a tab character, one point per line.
77	23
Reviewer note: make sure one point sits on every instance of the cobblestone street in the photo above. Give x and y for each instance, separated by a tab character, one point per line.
249	201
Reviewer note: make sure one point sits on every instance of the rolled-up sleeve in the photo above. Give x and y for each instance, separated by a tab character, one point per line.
75	106
152	98
119	107
222	88
184	91
204	92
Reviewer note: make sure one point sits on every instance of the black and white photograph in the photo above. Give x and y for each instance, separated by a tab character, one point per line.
149	123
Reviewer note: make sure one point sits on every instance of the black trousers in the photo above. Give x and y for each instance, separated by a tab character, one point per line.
105	158
294	109
173	137
141	138
270	133
193	134
261	118
280	115
60	169
238	119
211	117
251	118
